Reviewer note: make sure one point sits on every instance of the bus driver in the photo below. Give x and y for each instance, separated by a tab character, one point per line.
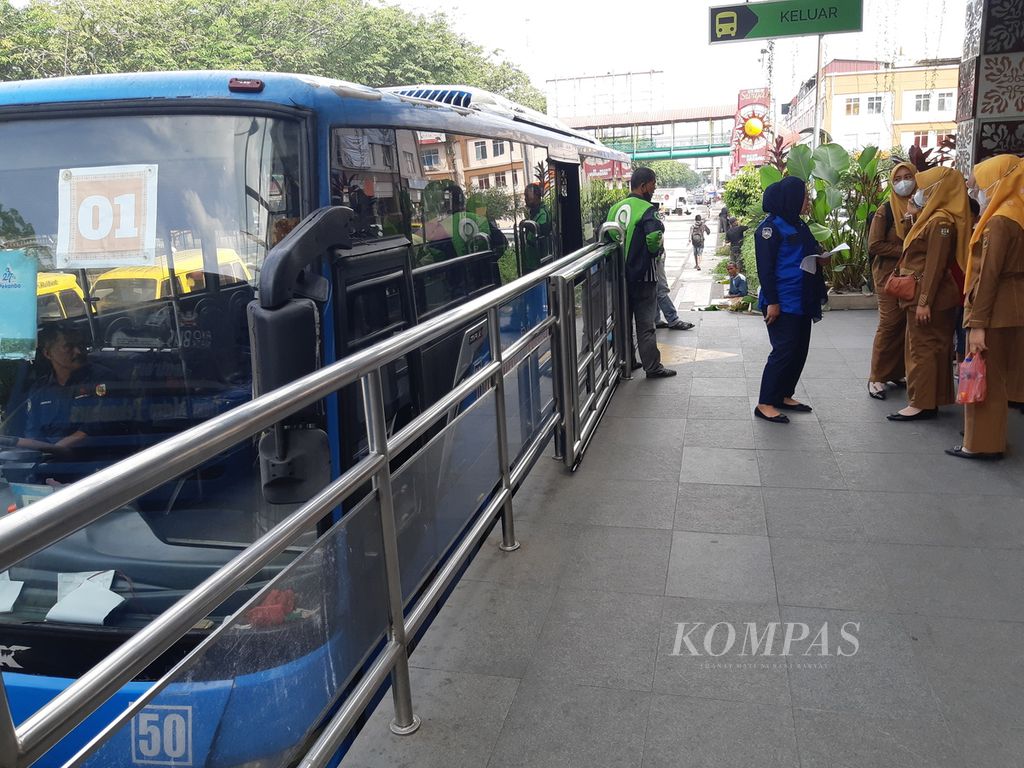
62	402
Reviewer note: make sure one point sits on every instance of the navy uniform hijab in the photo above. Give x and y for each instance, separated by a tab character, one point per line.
785	199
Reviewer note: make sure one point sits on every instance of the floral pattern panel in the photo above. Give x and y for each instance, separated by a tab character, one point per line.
1004	26
966	92
966	139
998	138
1001	85
972	28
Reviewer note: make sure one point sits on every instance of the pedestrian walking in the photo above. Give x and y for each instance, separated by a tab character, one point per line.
643	243
791	297
697	232
938	237
994	306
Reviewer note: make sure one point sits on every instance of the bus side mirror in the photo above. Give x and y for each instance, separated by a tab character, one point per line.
295	459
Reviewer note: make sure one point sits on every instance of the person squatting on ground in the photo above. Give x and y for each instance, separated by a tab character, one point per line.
939	236
697	233
643	242
791	297
889	227
994	306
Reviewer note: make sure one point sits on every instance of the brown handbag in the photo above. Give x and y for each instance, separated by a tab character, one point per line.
902	287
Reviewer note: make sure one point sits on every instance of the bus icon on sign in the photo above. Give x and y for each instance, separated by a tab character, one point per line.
725	24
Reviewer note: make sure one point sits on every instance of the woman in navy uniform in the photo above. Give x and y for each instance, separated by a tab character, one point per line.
791	297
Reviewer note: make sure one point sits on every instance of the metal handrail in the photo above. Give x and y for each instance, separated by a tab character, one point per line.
74	507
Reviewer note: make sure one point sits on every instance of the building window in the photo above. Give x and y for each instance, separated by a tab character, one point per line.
921	139
498	148
874	105
500	180
515	177
431	158
923	102
483	182
853	106
945	101
480	148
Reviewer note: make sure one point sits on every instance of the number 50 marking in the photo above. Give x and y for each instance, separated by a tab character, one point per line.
162	735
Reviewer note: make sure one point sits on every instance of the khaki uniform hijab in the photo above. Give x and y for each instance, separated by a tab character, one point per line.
1006	172
897	203
945	200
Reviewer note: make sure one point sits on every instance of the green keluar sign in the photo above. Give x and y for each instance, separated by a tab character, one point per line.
786	18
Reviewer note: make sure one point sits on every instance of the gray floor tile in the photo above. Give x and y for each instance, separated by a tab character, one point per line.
719	433
829	574
803	433
702	733
713	369
925	473
635	449
717	408
484	628
719	466
617	560
812	514
603	639
916	437
725	665
645	404
954	582
833	739
622	503
558	725
720	387
838	408
462	715
754	389
879	675
939	519
535	565
799	469
720	509
724	567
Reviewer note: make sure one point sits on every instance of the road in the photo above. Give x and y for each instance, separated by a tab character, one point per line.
689	287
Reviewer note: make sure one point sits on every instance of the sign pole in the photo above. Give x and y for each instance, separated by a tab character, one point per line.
817	99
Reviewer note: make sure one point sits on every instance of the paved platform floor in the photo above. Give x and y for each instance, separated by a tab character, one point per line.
896	572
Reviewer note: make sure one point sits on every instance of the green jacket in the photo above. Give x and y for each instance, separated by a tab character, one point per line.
645	237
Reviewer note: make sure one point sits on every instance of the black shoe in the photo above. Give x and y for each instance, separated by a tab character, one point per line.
636	365
661	324
931	413
780	419
661	373
960	453
680	325
797	407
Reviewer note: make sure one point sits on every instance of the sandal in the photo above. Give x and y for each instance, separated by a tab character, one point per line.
877	394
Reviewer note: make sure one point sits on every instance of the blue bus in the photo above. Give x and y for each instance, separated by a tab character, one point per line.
137	212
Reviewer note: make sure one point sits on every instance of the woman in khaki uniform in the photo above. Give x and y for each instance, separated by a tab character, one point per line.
940	234
994	309
889	227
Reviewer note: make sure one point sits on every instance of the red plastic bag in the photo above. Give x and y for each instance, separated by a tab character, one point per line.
973	386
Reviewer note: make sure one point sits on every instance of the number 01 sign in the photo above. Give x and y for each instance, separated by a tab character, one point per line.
107	217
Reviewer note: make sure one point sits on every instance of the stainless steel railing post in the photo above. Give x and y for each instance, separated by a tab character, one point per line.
405	720
508	528
558	365
570	386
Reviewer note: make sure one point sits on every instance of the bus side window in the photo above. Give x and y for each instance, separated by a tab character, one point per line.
165	288
73	304
48	308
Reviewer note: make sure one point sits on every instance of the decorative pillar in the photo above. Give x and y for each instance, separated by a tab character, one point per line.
990	101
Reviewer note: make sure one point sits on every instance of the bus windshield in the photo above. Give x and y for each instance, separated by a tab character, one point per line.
108	348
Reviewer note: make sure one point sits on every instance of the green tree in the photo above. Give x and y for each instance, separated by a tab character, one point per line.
672	173
742	196
353	40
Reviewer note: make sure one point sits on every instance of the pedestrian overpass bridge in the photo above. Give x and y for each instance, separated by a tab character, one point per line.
676	134
653	577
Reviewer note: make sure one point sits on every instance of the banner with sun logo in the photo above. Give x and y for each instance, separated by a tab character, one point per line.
750	135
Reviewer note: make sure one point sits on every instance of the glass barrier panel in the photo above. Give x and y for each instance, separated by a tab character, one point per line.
439	491
522	314
529	397
256	689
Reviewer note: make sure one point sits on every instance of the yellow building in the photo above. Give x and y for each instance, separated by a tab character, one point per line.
867	102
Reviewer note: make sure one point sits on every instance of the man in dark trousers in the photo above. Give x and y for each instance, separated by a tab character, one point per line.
644	240
734	236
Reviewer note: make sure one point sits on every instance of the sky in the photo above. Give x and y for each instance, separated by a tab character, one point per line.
550	39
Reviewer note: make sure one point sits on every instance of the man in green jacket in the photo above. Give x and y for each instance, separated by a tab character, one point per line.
645	235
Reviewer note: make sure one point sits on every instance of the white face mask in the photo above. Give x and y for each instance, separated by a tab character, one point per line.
919	198
904	188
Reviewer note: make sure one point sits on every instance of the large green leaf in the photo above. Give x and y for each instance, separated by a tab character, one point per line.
800	162
830	160
820	208
866	156
821	233
833	196
769	175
